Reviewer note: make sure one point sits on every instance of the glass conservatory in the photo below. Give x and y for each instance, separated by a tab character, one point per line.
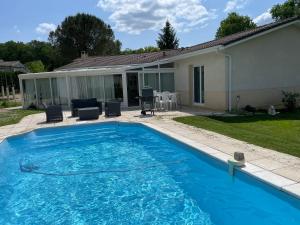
118	83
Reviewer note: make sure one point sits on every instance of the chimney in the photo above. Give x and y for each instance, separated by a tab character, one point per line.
84	55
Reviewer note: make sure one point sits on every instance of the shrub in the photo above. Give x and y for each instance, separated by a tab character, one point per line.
290	100
251	109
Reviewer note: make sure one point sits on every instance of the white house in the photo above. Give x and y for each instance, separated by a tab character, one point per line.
250	67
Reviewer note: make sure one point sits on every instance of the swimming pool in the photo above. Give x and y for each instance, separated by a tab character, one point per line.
123	173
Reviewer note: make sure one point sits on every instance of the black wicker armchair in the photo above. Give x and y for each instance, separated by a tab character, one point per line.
112	108
53	113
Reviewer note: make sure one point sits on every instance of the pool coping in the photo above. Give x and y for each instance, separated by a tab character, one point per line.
279	182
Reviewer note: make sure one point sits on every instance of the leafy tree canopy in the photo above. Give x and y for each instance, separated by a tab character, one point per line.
35	66
288	9
234	23
140	50
84	32
32	51
167	38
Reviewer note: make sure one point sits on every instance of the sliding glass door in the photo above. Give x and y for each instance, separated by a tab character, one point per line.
198	85
133	89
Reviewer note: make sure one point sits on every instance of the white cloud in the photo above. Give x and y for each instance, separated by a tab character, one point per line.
45	28
134	16
232	5
264	18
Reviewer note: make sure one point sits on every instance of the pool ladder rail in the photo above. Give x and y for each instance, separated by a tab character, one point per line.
238	161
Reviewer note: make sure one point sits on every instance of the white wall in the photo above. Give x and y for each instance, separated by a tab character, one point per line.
264	66
214	80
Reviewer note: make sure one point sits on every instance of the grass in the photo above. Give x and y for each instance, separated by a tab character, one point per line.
8	104
14	116
280	133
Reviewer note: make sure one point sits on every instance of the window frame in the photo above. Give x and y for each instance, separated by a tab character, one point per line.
201	86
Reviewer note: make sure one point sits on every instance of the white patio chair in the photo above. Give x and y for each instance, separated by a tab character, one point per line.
172	102
163	101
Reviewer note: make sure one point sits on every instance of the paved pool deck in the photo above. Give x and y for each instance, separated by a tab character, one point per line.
278	169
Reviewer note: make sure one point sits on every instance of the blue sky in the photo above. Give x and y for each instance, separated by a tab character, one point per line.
136	23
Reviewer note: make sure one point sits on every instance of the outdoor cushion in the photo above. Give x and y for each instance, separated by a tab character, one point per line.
84	103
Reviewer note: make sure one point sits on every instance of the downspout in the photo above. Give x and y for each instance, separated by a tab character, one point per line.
229	82
229	68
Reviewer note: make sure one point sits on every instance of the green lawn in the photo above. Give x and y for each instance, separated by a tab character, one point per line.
14	116
281	133
7	104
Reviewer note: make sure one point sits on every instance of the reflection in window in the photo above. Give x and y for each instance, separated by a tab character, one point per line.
151	80
43	91
113	87
28	92
78	88
59	91
95	87
167	82
151	67
167	65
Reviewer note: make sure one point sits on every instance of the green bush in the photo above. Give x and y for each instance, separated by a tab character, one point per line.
290	100
8	104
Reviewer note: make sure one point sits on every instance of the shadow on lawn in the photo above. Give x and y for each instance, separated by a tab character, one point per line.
258	117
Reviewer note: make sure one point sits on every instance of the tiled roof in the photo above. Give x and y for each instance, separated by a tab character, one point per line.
10	63
133	59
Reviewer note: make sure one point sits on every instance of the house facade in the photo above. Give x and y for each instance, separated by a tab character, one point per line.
12	66
247	68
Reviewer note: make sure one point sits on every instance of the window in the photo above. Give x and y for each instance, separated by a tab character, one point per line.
78	89
43	91
151	80
198	85
151	67
95	87
28	92
113	87
167	65
167	82
59	91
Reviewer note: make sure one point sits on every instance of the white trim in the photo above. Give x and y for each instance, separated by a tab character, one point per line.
68	91
22	91
36	94
198	103
229	82
51	91
124	88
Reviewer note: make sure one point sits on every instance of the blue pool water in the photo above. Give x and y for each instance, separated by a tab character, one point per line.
117	173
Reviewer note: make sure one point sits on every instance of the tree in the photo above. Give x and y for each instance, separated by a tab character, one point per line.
288	9
32	51
35	66
47	53
234	23
167	38
84	32
140	50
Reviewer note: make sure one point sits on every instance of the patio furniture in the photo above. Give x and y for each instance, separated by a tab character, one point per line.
84	103
163	99
172	101
53	113
147	101
89	113
112	108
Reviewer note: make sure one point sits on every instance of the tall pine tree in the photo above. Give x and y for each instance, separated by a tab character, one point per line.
167	38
